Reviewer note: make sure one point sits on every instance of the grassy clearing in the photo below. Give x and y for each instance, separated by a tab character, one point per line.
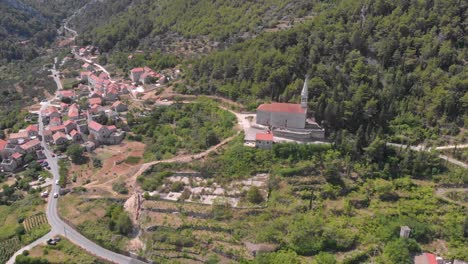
132	160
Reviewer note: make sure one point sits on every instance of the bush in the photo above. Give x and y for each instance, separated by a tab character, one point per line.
120	188
254	195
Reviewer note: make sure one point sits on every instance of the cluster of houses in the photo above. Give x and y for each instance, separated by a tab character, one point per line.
145	75
70	124
14	150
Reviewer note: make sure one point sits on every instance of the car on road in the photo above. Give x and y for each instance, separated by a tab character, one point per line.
165	100
57	182
55	195
44	164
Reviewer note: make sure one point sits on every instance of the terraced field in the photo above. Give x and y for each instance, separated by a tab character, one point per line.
34	221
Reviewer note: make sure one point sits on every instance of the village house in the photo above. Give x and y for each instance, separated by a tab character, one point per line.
95	101
8	165
144	75
69	126
76	136
74	112
105	134
85	76
48	113
18	138
56	129
70	94
31	146
10	149
33	130
118	106
60	138
88	67
264	140
95	109
47	134
64	107
55	121
111	94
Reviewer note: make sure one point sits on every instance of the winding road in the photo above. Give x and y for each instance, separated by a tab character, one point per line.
58	226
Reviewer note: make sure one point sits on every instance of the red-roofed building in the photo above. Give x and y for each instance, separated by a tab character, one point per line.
31	146
425	258
282	115
56	129
33	130
264	140
118	106
66	94
69	126
60	138
88	67
17	156
95	101
95	109
76	136
55	121
47	134
64	106
85	75
3	144
18	138
74	112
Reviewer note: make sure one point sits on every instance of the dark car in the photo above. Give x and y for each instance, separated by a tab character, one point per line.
45	164
48	167
51	242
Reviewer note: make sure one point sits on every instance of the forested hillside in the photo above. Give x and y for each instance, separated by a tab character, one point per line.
375	66
27	25
127	24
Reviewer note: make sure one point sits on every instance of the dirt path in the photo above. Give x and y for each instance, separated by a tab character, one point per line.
441	192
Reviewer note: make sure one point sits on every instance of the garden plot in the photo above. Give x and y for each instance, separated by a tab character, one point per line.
205	191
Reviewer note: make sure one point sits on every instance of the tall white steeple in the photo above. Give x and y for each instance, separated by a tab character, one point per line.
305	93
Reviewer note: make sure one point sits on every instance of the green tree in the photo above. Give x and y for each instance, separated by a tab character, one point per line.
254	195
324	258
75	152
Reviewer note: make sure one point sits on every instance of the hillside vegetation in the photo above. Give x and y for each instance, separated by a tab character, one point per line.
382	66
135	25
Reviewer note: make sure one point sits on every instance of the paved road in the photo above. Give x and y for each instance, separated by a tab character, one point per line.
59	227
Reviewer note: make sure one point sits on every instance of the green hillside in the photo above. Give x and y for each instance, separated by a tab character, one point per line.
382	66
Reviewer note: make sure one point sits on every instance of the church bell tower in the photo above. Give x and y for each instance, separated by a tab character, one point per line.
305	93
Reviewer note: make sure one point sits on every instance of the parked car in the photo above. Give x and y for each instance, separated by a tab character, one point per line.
57	182
55	195
57	239
44	164
51	242
48	167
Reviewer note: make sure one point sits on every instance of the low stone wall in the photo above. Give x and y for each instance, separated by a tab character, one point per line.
302	136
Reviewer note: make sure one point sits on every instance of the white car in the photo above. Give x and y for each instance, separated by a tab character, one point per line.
55	195
57	182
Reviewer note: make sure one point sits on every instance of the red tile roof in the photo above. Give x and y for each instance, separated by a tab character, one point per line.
21	134
30	144
47	132
111	128
93	101
73	132
282	107
431	258
137	70
16	155
32	128
264	137
3	144
68	122
67	93
116	103
95	126
59	135
57	128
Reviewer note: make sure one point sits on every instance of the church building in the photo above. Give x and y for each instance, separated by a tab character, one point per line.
285	115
